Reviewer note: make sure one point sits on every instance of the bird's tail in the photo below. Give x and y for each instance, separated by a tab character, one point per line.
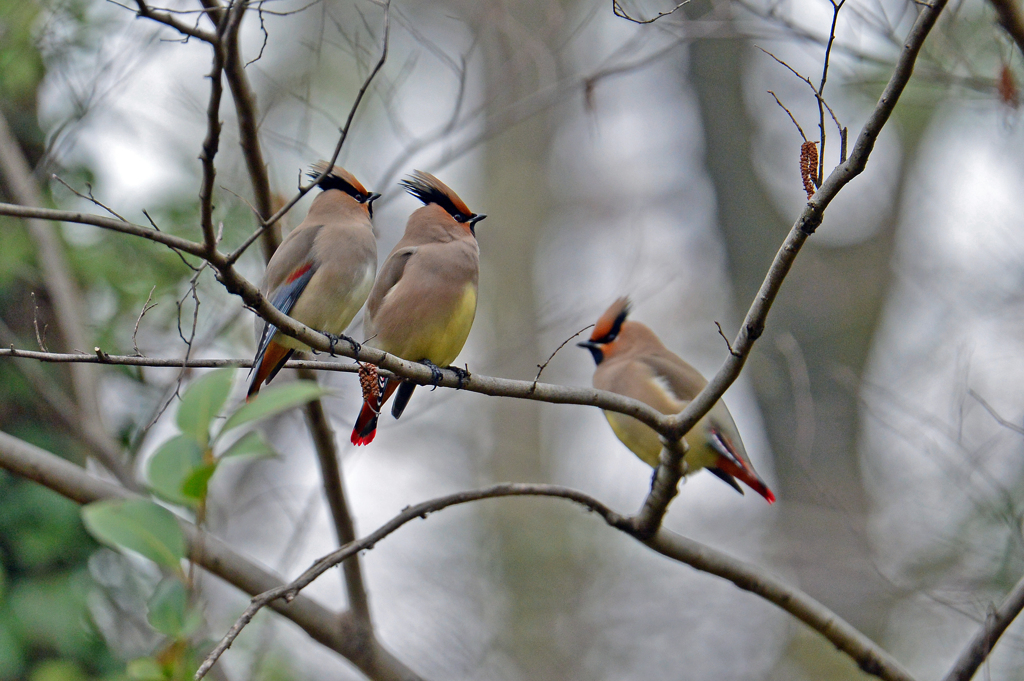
269	361
366	425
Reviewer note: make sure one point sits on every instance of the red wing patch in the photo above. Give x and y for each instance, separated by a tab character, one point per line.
298	273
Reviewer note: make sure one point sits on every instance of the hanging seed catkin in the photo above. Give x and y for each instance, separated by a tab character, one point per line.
368	381
808	166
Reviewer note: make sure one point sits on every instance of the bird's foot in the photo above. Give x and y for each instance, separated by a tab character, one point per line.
462	375
356	346
435	373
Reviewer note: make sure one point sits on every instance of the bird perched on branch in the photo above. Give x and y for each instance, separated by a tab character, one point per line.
632	361
322	272
424	300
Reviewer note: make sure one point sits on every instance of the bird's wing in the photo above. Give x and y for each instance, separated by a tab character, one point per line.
685	383
284	299
682	380
295	251
390	274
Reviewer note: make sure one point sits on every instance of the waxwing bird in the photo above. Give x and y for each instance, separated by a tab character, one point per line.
424	300
632	361
322	272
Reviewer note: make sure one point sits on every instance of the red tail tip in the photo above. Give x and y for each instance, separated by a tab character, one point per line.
363	440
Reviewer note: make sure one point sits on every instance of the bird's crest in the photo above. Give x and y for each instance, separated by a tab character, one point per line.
429	189
338	178
610	323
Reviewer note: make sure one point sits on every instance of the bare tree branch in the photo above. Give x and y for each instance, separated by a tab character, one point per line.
985	640
174	242
33	463
178	25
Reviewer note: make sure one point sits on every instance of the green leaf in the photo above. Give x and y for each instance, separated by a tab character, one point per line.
168	607
139	525
251	444
195	485
171	466
169	611
274	401
145	669
202	401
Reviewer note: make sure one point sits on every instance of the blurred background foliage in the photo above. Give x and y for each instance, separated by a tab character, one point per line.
612	159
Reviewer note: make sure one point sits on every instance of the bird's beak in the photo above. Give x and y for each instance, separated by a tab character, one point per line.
369	202
595	350
472	222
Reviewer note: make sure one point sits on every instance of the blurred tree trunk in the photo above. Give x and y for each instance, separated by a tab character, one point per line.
541	580
830	306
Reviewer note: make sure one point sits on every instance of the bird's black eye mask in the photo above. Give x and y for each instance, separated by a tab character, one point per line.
334	182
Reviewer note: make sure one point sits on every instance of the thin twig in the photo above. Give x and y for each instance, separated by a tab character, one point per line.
619	12
817	95
725	338
994	414
836	6
40	335
88	197
542	367
146	307
791	116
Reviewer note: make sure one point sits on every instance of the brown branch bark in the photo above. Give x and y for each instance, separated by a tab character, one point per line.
29	461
